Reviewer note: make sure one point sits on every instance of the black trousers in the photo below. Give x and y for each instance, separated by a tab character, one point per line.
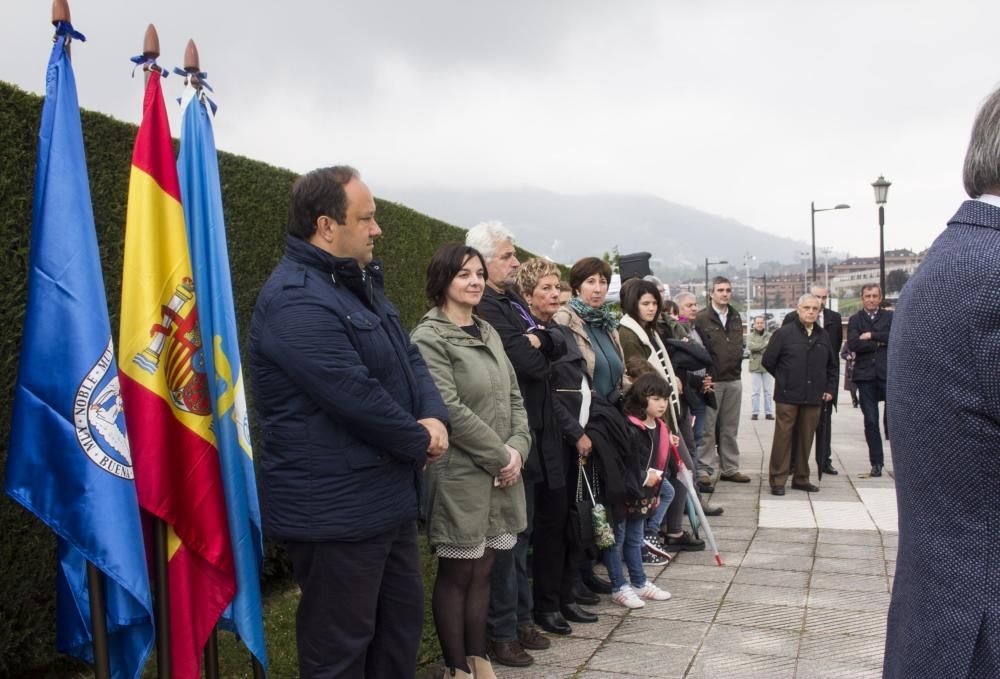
824	453
551	569
362	606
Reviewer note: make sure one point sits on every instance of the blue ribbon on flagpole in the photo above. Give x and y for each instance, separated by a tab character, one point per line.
202	77
142	60
66	28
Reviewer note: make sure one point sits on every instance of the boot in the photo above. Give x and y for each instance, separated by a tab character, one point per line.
481	667
454	673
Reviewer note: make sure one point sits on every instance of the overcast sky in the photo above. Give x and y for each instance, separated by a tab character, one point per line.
748	110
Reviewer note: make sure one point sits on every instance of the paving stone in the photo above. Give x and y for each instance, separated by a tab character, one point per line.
603	674
732	545
850	566
660	632
571	652
595	630
759	576
753	640
683	571
850	551
536	671
689	610
890	552
707	558
850	537
760	615
844	648
734	517
841	581
827	669
715	665
786	548
647	661
787	534
849	600
733	532
890	568
856	623
763	594
778	562
691	589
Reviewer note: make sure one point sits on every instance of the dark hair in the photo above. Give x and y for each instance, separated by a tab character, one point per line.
871	286
633	290
584	269
636	367
317	193
445	265
645	386
718	280
670	307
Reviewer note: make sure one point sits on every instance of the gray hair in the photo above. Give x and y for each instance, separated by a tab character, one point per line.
981	172
805	297
681	296
760	317
486	235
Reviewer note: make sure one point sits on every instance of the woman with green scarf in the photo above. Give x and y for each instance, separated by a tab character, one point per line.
594	328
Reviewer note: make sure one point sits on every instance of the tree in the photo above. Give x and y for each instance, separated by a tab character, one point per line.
613	258
895	280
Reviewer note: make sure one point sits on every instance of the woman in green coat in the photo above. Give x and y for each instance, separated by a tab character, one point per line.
474	495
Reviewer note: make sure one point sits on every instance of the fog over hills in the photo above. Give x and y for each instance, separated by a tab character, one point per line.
566	227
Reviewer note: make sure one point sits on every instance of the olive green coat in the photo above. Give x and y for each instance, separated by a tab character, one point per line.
480	389
756	344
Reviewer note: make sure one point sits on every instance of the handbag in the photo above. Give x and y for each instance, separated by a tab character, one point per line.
604	537
580	525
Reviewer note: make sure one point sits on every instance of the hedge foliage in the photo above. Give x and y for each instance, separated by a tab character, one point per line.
255	197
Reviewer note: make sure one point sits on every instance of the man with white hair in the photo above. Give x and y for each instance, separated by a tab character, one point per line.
805	373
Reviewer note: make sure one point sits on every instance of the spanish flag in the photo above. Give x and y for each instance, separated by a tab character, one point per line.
166	395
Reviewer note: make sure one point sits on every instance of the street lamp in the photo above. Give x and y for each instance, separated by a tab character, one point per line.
881	187
747	257
707	264
813	210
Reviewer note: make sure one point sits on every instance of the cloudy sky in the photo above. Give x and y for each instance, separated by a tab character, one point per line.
748	110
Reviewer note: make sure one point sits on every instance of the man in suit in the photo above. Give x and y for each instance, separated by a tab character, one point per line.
868	337
944	386
832	323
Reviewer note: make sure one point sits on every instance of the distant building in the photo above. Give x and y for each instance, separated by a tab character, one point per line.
894	259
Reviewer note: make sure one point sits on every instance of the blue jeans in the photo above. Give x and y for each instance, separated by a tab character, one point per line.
699	425
656	516
628	543
871	393
761	382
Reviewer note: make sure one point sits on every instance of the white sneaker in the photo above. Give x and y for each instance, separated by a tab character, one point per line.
626	597
651	592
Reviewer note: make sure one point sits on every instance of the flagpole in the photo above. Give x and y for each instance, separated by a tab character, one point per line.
98	622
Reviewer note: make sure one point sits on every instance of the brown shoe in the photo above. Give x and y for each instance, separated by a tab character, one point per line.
509	653
735	478
531	638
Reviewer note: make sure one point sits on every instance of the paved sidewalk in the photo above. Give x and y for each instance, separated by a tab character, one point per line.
804	591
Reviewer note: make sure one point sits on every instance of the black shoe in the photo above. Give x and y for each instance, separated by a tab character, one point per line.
754	417
531	638
769	417
807	487
596	584
777	490
706	488
574	613
876	470
712	511
509	653
828	469
554	622
686	542
583	595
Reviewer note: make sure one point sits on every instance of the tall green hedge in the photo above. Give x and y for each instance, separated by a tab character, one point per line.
255	197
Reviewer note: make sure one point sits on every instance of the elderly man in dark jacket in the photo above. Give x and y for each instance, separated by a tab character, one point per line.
805	374
868	337
349	415
944	387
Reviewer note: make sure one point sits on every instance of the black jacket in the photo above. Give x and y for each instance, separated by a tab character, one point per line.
804	366
833	324
871	355
532	367
724	343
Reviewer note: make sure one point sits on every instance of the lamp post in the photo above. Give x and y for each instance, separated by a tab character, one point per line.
812	214
707	264
747	257
826	266
881	187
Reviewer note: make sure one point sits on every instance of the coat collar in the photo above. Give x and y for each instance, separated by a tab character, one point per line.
451	333
977	213
304	252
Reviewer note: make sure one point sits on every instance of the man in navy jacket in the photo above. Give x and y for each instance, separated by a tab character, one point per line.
349	415
868	337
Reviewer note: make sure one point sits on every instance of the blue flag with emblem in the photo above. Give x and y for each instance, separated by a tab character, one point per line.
68	460
201	197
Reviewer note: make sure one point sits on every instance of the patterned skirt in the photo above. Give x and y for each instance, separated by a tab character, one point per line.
502	541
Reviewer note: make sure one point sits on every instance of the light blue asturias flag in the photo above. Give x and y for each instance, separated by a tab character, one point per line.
69	460
201	196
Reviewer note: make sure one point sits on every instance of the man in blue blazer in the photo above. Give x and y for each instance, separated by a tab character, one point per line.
944	387
868	337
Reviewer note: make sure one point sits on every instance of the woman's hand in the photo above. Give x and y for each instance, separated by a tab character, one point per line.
584	446
653	477
510	473
675	440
